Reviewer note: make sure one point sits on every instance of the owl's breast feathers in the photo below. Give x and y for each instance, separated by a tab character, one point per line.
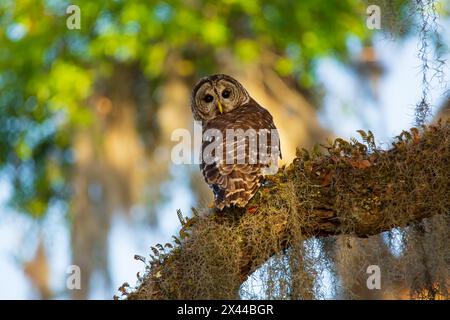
233	182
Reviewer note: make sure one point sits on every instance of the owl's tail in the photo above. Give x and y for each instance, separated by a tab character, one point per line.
239	192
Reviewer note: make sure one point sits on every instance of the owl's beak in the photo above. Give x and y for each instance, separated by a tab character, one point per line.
219	105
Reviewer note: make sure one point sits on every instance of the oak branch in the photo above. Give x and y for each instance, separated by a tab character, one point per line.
352	188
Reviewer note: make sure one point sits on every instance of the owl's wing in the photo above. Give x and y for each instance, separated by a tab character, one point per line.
233	182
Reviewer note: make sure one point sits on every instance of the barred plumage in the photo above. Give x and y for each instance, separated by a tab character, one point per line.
236	178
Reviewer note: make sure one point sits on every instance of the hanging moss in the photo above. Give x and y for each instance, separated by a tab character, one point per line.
346	190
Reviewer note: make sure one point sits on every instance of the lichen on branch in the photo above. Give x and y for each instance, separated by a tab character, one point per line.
342	188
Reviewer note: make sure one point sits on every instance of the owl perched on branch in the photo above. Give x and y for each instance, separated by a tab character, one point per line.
240	141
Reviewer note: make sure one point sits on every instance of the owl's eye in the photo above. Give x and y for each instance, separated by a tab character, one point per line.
226	93
208	98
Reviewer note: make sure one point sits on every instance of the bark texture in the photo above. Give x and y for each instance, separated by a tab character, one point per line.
351	188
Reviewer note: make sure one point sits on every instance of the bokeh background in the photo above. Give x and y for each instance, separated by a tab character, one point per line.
86	115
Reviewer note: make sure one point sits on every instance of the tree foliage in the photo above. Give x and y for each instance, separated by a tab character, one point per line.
48	72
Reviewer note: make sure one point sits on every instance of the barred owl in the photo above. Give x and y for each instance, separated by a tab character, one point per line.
240	141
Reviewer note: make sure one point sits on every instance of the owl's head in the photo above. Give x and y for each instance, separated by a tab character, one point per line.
215	95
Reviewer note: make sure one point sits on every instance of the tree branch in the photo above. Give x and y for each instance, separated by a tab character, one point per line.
347	188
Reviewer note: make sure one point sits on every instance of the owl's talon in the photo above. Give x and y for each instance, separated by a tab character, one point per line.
267	183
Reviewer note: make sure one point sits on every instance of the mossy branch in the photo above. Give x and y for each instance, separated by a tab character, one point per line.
345	187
